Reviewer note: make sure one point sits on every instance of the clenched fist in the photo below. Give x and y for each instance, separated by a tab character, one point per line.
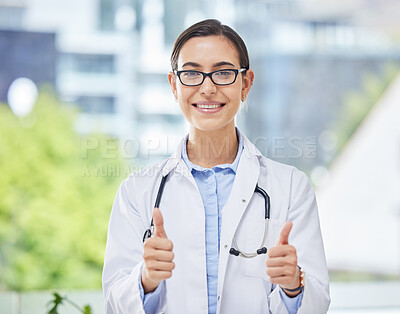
157	255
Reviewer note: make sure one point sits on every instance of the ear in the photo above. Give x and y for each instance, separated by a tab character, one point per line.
247	82
172	83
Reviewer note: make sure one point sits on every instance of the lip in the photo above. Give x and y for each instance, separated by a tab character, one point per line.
210	103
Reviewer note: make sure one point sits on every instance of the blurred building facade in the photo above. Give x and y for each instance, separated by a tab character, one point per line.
111	59
362	197
308	58
26	54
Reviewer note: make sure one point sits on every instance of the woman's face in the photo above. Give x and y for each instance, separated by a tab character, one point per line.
207	54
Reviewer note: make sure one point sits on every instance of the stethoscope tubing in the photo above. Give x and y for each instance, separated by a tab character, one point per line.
263	249
234	250
150	232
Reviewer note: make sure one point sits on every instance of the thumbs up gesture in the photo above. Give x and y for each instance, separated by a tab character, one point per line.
157	255
282	262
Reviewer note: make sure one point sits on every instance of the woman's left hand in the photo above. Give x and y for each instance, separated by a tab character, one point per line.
282	263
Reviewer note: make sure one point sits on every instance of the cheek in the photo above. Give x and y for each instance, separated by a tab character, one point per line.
182	105
234	94
184	101
180	91
185	94
235	90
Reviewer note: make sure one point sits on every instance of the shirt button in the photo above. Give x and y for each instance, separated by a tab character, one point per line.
219	297
244	201
225	246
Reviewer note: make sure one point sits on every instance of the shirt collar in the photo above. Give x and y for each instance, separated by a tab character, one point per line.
233	166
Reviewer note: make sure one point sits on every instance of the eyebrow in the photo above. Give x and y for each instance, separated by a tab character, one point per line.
218	64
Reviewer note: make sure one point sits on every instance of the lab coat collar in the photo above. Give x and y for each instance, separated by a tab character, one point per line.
175	162
233	166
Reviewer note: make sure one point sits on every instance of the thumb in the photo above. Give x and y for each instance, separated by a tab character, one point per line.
284	236
158	224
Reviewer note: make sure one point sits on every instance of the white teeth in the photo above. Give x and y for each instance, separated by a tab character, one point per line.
208	106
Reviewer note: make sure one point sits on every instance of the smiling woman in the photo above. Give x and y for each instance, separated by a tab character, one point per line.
211	102
218	199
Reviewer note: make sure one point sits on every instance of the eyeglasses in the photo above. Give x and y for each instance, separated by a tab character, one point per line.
219	77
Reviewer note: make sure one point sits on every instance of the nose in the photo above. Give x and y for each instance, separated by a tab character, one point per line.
208	87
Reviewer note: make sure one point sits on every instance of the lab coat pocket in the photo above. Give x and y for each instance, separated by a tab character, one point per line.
256	266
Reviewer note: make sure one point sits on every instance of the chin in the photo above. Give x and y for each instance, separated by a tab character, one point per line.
211	126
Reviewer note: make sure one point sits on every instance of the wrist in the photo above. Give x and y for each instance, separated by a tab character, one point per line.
296	291
148	284
292	294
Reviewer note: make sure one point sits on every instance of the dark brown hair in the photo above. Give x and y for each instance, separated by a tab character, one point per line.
209	28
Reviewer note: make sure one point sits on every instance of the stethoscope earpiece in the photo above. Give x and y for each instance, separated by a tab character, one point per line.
263	250
234	252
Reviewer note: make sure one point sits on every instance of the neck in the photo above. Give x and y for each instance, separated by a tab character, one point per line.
210	148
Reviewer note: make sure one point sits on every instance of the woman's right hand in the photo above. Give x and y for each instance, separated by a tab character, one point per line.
157	255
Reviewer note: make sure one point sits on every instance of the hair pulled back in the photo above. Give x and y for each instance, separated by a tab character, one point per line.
206	28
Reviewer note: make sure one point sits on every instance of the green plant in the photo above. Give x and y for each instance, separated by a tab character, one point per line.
54	208
58	300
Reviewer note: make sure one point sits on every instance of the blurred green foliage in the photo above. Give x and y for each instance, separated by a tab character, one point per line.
59	300
54	208
337	275
357	104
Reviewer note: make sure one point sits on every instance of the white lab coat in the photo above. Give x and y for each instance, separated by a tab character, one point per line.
243	285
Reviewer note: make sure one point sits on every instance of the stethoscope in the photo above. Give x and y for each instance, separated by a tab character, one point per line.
235	249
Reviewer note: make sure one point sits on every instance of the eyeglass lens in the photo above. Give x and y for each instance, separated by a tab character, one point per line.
219	77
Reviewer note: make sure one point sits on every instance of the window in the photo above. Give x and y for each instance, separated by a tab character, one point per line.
87	63
96	104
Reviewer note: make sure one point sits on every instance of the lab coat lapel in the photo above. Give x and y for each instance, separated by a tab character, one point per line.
173	160
176	163
186	227
242	191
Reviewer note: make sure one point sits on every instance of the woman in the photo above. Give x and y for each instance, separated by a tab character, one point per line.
204	255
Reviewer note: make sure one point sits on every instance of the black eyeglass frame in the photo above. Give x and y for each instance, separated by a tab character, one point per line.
237	71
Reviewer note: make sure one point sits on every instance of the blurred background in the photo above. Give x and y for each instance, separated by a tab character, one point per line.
85	100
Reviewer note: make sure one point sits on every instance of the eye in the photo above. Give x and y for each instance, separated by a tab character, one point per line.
224	73
191	74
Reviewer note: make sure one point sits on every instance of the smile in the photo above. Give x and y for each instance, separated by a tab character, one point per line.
204	106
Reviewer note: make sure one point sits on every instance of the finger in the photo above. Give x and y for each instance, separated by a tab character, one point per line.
158	255
280	280
279	271
284	235
158	224
157	275
162	244
154	244
165	256
160	266
282	251
276	262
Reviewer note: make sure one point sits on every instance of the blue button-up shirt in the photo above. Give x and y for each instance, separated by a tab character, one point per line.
215	186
